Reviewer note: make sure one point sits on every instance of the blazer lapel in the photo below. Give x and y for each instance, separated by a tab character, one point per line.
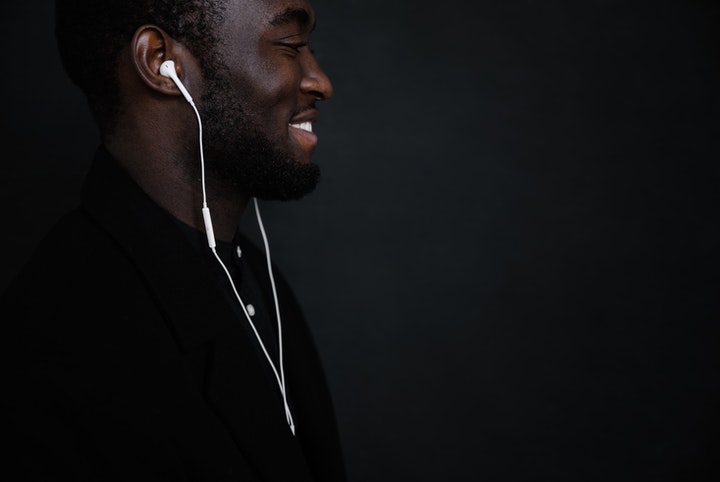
248	401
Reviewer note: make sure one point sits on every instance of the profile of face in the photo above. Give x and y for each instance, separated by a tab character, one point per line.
259	100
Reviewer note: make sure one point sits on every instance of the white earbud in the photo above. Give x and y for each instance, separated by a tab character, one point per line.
168	70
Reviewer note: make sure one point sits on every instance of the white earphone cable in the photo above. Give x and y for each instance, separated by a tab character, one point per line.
280	377
275	300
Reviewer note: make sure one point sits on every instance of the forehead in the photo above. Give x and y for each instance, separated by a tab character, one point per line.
261	15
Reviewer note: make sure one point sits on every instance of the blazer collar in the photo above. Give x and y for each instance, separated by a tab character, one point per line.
173	269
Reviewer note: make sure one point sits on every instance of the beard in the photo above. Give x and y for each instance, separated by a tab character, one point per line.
240	157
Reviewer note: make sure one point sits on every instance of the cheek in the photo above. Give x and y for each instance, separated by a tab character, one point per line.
276	78
268	84
272	99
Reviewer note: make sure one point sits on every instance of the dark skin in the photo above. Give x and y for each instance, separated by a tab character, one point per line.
276	77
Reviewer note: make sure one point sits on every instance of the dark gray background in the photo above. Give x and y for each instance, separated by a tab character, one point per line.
511	262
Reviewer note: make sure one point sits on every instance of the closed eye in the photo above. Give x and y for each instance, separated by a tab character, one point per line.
295	46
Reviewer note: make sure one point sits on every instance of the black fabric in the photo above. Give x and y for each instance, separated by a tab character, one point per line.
246	283
122	360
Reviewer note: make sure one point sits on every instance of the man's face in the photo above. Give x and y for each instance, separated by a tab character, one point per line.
259	100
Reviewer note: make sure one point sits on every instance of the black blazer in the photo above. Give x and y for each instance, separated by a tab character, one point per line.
123	360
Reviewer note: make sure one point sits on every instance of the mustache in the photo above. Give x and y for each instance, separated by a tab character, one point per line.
311	106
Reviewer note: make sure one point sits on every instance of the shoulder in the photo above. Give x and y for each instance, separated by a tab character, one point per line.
74	246
77	286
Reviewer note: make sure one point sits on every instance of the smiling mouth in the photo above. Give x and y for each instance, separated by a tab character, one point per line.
303	135
306	126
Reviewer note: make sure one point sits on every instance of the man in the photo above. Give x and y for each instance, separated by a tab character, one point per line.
147	339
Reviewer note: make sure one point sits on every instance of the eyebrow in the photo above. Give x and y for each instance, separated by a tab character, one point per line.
299	16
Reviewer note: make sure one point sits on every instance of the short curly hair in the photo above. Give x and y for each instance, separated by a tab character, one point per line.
91	34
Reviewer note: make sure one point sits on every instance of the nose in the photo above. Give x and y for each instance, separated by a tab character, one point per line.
315	81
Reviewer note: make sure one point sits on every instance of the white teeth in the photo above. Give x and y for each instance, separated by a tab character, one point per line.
306	126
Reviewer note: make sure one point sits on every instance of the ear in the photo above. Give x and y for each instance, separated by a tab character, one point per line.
150	47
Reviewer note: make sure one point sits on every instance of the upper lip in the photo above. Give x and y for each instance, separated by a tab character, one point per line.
308	114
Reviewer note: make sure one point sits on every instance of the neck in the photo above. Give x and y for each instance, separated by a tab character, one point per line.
167	169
